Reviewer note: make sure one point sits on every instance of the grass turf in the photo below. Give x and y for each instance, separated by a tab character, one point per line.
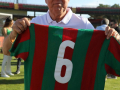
16	82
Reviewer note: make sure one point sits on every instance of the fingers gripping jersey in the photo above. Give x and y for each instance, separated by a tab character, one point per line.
59	58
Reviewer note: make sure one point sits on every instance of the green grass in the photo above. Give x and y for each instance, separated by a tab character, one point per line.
16	82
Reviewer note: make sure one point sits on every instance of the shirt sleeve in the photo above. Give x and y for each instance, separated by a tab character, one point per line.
20	48
112	59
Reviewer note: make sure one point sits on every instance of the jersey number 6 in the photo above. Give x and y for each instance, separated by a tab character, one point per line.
61	61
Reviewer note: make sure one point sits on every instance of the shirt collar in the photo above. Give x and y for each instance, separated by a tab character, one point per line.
65	20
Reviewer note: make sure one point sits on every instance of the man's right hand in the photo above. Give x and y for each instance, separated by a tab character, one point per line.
19	26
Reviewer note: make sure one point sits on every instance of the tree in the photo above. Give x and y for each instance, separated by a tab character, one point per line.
117	17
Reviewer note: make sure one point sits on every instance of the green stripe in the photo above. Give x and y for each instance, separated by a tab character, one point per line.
101	73
54	42
78	58
29	61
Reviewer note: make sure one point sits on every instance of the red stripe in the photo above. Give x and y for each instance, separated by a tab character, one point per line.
23	37
63	70
109	70
91	60
41	40
23	55
114	48
68	34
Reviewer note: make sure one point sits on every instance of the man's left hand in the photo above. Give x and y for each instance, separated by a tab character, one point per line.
112	32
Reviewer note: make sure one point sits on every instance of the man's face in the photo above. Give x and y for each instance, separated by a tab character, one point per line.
57	6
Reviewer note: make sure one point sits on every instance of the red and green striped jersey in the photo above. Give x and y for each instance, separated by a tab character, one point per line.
59	58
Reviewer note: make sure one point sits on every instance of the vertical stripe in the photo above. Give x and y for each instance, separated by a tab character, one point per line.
68	34
29	61
54	41
91	61
41	43
101	72
78	59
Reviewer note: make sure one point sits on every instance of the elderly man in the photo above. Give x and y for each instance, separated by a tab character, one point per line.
104	24
57	15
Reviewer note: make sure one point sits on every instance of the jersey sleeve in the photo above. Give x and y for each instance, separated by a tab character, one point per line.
112	59
20	48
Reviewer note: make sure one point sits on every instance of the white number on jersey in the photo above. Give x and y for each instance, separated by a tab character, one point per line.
60	62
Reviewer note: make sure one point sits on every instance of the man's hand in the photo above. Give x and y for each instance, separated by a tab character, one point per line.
112	32
19	26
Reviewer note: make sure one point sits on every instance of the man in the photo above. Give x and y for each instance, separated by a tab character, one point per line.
114	24
104	24
57	15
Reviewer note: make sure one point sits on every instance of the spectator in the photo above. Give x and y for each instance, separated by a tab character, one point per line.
7	58
114	24
18	66
104	24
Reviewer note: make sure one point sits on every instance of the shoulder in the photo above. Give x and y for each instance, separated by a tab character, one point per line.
39	19
80	22
98	27
76	17
102	27
86	22
4	29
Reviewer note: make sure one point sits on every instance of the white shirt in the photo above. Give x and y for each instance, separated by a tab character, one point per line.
102	27
69	21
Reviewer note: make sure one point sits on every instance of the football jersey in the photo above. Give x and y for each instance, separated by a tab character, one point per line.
57	58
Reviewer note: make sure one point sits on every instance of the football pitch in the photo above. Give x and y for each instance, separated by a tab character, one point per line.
16	82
